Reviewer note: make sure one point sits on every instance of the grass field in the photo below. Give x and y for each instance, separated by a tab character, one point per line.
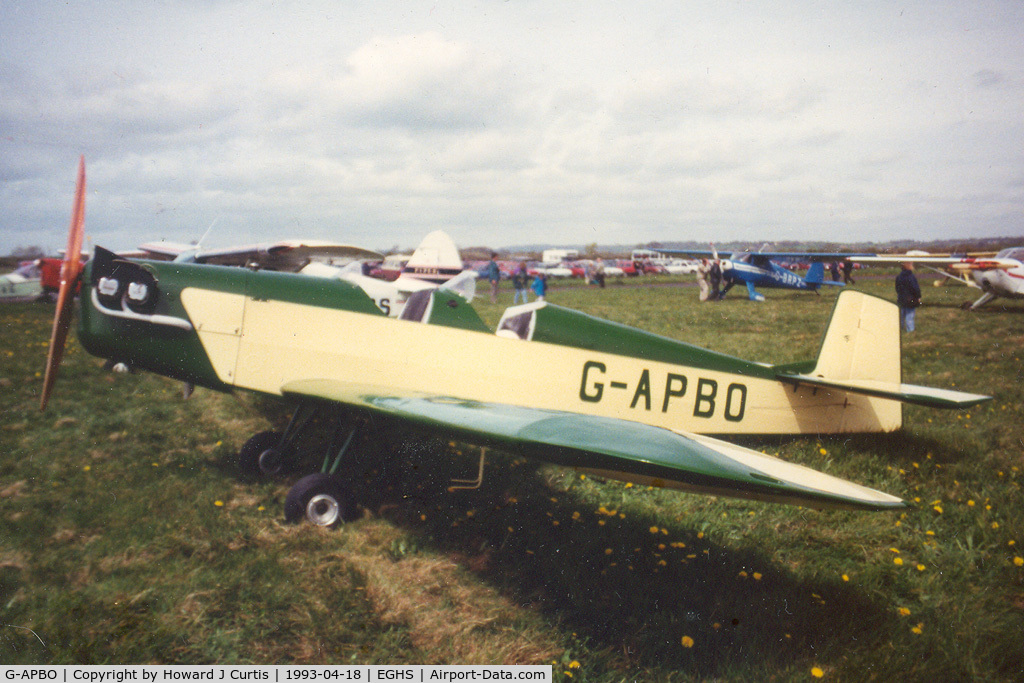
127	535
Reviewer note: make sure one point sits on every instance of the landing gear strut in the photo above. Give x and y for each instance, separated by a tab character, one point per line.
322	497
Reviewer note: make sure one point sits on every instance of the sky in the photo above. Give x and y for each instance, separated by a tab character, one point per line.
511	122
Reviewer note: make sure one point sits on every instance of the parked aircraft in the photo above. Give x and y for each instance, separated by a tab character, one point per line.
552	383
435	263
22	284
998	276
759	269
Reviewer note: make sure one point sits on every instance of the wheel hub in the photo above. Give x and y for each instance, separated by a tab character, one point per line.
323	510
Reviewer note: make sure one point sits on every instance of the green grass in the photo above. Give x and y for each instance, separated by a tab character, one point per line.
126	534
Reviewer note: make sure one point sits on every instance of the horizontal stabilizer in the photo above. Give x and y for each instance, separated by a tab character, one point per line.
611	447
907	393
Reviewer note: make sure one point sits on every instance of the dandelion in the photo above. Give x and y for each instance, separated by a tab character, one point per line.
1018	561
817	672
219	503
904	611
822	451
757	576
970	503
687	642
574	664
920	567
995	525
919	629
845	577
937	508
653	529
898	561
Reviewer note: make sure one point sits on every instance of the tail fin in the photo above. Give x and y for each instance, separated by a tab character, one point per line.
862	341
436	259
815	274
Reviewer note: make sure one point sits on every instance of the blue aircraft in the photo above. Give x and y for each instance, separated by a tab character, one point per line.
759	269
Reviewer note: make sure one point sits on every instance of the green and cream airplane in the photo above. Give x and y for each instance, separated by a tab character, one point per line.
550	383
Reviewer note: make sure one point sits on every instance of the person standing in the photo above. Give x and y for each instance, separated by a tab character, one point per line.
519	284
908	296
599	272
848	272
493	274
715	274
702	279
540	285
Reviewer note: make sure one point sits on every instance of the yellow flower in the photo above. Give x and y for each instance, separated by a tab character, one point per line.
687	641
1018	561
653	529
219	503
823	451
898	561
817	672
574	664
995	525
920	567
757	576
919	629
904	611
937	508
845	577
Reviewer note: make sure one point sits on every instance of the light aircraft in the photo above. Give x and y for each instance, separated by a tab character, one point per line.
435	263
551	383
758	269
22	284
998	276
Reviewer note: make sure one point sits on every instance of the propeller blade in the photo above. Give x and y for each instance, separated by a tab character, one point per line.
70	269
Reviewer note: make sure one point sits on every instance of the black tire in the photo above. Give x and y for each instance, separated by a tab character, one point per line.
249	455
319	498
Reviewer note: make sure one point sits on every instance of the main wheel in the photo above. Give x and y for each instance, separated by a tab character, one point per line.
320	498
249	457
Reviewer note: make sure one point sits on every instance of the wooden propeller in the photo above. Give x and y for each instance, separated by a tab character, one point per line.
70	269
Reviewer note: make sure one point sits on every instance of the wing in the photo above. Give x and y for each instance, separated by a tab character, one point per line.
952	262
610	447
289	255
163	251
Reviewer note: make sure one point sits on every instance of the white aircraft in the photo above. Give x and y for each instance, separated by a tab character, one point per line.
998	276
435	264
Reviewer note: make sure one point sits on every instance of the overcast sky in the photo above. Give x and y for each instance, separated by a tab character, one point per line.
511	122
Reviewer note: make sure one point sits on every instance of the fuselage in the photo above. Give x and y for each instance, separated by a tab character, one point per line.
228	328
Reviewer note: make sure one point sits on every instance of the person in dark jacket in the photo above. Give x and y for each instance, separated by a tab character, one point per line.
519	279
908	296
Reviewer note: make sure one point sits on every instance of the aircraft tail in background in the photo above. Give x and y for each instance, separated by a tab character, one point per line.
436	260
